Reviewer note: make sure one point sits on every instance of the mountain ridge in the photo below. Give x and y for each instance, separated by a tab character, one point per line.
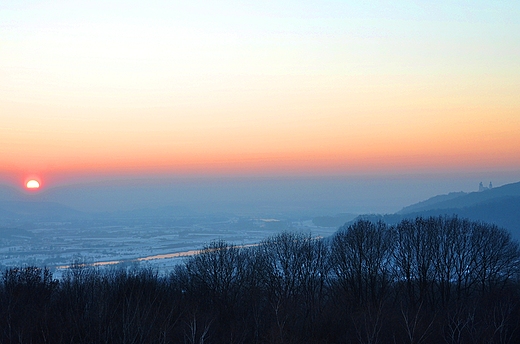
461	199
499	206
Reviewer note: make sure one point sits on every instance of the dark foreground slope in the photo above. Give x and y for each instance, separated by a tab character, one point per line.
435	280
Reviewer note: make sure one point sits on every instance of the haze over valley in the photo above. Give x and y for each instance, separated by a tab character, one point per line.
110	223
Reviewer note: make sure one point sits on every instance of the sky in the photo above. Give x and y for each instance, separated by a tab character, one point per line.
133	89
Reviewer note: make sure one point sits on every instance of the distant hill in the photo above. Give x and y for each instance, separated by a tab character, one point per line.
8	193
499	206
37	211
431	202
22	206
461	200
19	206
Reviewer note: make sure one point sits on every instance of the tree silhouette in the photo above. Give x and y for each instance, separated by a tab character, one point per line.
424	280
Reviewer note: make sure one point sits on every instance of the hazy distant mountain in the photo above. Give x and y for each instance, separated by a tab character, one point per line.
499	206
19	206
8	193
37	211
431	202
461	200
48	205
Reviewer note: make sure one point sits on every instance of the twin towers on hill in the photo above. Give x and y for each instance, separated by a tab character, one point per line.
481	187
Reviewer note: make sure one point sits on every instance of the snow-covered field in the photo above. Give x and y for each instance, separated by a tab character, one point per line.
159	244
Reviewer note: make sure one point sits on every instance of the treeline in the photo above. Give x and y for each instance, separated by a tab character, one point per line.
434	280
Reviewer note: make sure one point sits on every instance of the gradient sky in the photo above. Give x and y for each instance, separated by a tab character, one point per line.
258	87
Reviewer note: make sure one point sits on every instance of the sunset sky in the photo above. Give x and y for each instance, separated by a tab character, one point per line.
111	88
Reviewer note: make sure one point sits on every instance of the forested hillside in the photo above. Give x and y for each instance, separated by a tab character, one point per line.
461	200
500	206
427	280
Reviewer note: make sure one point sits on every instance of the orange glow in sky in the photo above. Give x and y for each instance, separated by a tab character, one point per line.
278	88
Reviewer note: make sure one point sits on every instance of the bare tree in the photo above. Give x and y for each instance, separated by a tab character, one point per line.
197	334
496	257
218	270
295	270
417	323
362	258
415	254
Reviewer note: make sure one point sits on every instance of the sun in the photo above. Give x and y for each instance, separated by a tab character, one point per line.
33	184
